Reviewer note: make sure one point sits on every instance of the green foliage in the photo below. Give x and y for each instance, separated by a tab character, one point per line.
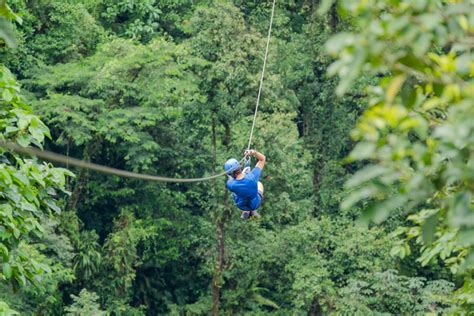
169	88
121	249
7	34
85	304
389	292
29	189
120	103
418	131
7	311
57	31
68	32
88	258
134	19
335	254
144	20
323	121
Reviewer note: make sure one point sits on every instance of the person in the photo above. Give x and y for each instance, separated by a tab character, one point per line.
246	188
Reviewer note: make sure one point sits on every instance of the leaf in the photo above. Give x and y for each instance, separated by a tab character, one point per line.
21	279
23	121
7	33
356	196
352	70
11	129
37	132
23	140
7	95
438	89
429	228
7	270
363	150
468	262
4	234
466	237
397	251
409	97
66	172
6	12
394	87
52	205
16	232
366	174
4	252
20	179
6	176
461	210
379	212
336	43
5	310
265	301
324	6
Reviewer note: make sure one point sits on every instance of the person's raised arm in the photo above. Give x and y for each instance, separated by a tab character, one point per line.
261	157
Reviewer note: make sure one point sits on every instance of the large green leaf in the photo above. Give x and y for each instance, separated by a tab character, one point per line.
7	34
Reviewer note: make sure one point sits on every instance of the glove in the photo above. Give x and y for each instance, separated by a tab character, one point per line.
249	152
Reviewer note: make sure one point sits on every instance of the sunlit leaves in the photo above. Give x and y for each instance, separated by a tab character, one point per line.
7	34
127	95
121	250
418	131
398	294
137	20
6	310
27	187
70	31
85	304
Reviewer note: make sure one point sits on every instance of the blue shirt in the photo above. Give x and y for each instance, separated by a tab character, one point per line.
245	190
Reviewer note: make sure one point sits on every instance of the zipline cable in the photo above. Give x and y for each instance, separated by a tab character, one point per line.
54	157
263	74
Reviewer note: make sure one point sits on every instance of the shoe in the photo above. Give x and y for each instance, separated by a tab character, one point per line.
245	215
254	215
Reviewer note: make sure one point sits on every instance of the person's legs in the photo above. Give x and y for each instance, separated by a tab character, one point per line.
257	202
260	191
254	204
254	215
245	215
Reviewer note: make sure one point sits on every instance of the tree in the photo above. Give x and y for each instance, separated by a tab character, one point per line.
145	20
29	189
229	79
168	88
128	114
85	304
7	34
417	133
51	32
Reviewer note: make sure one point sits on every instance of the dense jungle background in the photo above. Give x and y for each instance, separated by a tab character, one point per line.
366	119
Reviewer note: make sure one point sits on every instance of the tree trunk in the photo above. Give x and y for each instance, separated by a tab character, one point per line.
78	188
217	278
83	176
334	19
220	264
315	309
222	217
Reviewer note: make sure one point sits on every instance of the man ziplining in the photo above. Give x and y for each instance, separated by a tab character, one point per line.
244	184
245	187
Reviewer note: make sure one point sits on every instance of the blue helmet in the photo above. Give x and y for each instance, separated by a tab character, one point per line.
231	165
